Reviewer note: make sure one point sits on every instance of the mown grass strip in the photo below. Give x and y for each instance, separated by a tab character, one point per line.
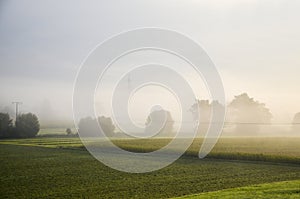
276	190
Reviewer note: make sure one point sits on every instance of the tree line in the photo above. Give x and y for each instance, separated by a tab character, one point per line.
245	113
25	126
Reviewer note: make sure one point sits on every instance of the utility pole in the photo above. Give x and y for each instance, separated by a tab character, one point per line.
17	109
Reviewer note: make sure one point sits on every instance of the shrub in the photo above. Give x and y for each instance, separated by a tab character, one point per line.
68	131
5	125
27	126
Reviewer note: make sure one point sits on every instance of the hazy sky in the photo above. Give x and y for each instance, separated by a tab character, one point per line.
255	45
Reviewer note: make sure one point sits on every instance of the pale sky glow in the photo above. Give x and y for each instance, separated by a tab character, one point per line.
255	45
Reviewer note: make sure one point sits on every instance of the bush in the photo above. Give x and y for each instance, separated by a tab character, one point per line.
5	125
89	127
155	122
68	131
27	126
107	125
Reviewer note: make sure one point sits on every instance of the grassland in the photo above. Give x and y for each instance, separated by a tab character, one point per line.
53	131
61	167
276	190
279	150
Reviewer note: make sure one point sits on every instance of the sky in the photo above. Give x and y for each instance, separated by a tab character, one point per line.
255	45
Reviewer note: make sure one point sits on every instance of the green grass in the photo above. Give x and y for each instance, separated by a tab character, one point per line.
58	170
277	190
283	150
52	131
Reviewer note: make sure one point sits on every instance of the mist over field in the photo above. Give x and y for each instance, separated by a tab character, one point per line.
150	99
254	44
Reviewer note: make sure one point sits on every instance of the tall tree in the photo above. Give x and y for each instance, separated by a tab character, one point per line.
27	125
248	114
155	119
5	125
89	127
107	126
202	110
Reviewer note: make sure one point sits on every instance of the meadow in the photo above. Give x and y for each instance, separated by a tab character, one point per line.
275	190
279	149
50	167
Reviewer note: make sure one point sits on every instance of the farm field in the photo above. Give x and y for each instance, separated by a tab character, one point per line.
53	131
150	99
285	150
61	167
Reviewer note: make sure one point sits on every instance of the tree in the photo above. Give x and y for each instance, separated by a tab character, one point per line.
156	118
296	123
204	108
202	111
107	125
5	125
68	131
27	125
88	127
248	114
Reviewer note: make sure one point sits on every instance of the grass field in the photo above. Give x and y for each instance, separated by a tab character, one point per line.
61	167
284	150
275	190
53	131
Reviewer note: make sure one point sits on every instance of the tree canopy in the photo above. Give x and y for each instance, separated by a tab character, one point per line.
5	125
248	114
27	125
155	119
88	127
202	111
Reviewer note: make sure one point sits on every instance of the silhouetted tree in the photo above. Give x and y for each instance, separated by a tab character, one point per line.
68	131
248	114
156	118
27	125
202	110
89	127
204	107
107	125
5	125
296	123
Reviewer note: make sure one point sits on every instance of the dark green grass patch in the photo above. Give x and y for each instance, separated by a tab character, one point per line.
40	172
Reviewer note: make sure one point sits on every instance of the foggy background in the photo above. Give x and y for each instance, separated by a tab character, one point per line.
254	44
